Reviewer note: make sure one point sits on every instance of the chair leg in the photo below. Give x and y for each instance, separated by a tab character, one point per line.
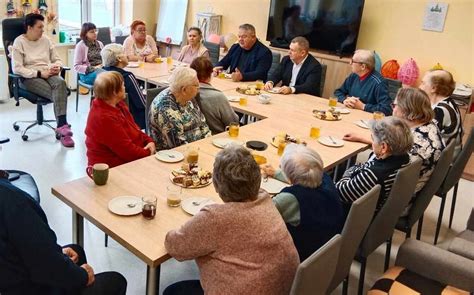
419	228
453	204
387	254
408	233
345	285
77	97
363	263
440	218
106	240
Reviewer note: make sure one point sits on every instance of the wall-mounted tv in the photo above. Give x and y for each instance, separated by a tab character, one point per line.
329	25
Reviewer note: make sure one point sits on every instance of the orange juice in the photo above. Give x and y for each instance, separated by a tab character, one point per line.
259	159
192	157
314	132
169	60
378	115
233	129
259	84
221	75
332	102
243	101
281	148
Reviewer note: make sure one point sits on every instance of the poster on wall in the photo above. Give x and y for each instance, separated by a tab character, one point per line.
435	16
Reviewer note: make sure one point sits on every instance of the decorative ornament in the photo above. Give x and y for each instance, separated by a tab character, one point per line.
378	62
26	5
437	66
42	7
390	69
228	40
11	10
409	72
214	38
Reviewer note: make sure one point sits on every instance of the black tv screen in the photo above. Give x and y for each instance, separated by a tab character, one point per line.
329	25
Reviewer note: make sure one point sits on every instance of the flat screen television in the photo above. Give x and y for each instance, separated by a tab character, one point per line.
329	25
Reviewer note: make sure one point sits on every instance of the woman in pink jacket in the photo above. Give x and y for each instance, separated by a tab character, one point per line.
87	59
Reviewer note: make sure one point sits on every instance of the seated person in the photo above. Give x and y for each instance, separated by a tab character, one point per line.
298	72
175	117
310	207
240	246
391	141
139	46
365	89
112	137
194	48
31	261
212	102
35	59
249	60
114	59
87	59
439	85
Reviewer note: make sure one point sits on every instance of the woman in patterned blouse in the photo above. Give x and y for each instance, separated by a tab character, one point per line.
139	45
87	60
175	117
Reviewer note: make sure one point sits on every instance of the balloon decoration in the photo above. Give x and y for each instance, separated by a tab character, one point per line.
214	38
409	72
378	62
390	69
437	66
228	40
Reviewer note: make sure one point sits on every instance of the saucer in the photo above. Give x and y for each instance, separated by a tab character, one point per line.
192	209
233	98
132	65
342	110
223	142
331	141
362	123
273	186
169	156
119	205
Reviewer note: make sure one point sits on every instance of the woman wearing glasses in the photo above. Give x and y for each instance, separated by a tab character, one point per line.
87	60
139	45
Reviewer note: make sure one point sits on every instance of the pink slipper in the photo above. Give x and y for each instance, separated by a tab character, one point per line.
64	130
67	141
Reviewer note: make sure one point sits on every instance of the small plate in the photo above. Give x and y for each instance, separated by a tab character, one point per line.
228	76
335	142
169	156
119	205
342	110
233	98
190	208
273	186
223	142
362	123
132	65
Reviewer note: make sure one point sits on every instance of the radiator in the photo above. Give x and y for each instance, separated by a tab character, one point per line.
71	74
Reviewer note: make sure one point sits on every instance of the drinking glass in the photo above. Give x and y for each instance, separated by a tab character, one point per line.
192	154
149	207
233	129
315	132
332	102
173	195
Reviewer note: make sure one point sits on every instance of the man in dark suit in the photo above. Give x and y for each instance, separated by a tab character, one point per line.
298	72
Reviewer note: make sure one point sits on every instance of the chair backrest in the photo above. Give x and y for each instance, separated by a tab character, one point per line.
323	79
424	196
321	265
358	219
11	28
120	39
381	228
151	93
103	35
459	164
393	86
276	56
214	51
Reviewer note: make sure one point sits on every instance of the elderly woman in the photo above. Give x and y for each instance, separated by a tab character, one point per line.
310	206
439	85
391	142
114	59
241	246
87	59
139	45
112	137
194	48
175	117
213	103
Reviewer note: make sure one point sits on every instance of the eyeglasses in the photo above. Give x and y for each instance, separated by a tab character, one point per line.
141	31
357	62
393	105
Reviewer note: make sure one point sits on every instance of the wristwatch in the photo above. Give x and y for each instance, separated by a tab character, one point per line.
38	74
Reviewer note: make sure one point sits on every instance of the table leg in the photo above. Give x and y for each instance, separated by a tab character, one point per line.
77	229
152	280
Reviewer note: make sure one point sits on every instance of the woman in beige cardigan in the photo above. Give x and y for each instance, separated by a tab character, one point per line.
194	48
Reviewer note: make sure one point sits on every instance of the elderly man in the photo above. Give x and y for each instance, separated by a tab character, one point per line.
249	60
35	59
298	72
365	89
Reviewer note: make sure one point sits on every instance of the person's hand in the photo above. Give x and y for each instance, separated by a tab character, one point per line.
98	66
356	138
268	86
285	90
45	74
54	70
69	252
90	274
349	102
237	75
150	58
151	147
216	70
267	169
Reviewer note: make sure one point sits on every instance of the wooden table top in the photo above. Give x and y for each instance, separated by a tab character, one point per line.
151	70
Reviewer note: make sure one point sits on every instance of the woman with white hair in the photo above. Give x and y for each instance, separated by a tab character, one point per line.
311	206
175	117
240	246
115	59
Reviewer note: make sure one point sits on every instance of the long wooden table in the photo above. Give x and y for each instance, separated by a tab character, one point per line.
145	238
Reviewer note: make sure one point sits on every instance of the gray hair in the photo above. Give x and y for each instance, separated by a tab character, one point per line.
394	132
236	176
110	54
302	165
367	57
182	77
302	42
248	27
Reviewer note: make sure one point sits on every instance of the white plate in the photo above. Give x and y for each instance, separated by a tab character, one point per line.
273	186
335	142
169	156
190	208
119	205
222	142
342	110
233	98
362	123
228	76
133	65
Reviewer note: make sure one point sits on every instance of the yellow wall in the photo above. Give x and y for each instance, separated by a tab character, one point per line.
146	10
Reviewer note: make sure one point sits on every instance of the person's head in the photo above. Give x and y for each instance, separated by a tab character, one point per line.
88	32
299	48
109	86
363	61
203	67
34	25
390	136
236	176
114	55
194	36
438	83
138	30
184	83
302	165
247	37
413	105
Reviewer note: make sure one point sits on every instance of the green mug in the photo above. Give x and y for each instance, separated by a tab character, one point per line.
99	173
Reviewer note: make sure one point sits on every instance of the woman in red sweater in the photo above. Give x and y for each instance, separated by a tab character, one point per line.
113	137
